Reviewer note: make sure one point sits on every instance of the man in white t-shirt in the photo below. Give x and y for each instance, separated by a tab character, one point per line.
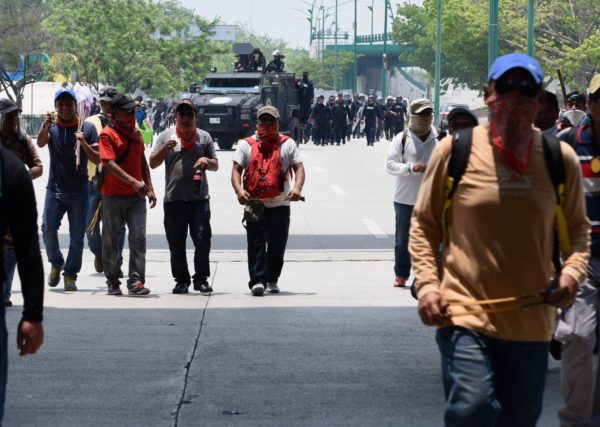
267	160
407	160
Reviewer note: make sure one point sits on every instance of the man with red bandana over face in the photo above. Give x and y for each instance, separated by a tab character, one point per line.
188	153
267	234
498	245
126	185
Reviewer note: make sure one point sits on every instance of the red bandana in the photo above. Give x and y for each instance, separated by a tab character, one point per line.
187	137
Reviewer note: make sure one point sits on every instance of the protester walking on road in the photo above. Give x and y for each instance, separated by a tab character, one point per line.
188	153
497	230
94	215
18	213
341	114
408	155
267	160
369	116
460	118
67	189
577	326
14	138
126	185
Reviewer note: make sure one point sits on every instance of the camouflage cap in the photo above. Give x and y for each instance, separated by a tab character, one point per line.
420	105
270	110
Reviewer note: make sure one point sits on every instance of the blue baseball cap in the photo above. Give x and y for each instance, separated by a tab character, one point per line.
516	60
63	91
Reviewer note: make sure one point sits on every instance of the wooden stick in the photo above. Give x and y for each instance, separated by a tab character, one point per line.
562	85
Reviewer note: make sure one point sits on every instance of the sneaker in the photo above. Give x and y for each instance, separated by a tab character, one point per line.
201	285
272	287
138	288
181	288
400	282
7	302
70	285
98	264
258	290
114	289
54	277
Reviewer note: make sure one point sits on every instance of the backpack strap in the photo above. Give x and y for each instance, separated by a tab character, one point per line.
459	157
404	135
556	168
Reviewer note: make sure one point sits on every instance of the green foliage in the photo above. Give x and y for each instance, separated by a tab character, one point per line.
19	29
567	37
130	43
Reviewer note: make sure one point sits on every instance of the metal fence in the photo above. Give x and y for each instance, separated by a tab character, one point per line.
32	123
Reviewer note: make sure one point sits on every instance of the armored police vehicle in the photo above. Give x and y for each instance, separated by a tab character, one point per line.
227	102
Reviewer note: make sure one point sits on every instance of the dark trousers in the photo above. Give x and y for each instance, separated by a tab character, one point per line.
402	263
267	239
117	211
179	217
389	129
370	129
399	126
340	132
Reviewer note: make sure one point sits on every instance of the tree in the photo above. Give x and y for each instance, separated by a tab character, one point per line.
21	36
130	43
567	36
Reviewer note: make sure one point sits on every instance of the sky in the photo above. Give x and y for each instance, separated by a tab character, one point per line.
280	19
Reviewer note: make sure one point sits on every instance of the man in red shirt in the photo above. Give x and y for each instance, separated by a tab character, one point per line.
126	185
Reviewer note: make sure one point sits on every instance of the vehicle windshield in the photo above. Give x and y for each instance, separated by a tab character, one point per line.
230	85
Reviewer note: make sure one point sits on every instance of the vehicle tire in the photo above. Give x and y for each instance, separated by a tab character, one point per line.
225	143
295	130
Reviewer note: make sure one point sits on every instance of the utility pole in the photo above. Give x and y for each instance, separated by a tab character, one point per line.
335	59
493	33
438	64
323	37
354	81
384	70
530	28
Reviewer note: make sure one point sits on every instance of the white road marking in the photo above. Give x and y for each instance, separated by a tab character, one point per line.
338	190
374	228
318	169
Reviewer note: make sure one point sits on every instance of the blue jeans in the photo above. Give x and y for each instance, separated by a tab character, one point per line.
3	360
402	263
179	216
10	263
94	236
55	207
491	382
267	240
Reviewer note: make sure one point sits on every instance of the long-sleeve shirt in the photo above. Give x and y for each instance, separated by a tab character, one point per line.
500	236
18	212
408	182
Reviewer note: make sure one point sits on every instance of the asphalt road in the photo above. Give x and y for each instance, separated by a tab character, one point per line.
339	346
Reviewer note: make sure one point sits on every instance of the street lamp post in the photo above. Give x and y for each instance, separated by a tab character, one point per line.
354	82
493	33
530	28
384	70
438	63
371	9
335	59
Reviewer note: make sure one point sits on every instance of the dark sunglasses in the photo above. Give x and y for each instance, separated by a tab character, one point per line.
526	87
186	113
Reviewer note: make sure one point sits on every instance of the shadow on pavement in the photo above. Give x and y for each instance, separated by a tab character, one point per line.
295	366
